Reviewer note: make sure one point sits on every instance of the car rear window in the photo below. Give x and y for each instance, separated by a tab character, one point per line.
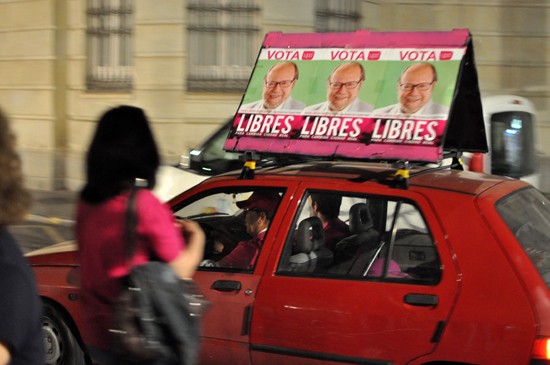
527	214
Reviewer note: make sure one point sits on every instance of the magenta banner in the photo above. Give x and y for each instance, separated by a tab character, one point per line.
367	95
349	136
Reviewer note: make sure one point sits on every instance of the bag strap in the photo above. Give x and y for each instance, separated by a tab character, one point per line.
130	224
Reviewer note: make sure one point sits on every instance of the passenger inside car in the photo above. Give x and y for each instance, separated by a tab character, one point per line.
377	228
309	251
377	267
355	251
394	270
327	207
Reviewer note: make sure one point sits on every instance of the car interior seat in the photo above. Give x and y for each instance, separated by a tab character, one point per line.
416	254
358	248
310	252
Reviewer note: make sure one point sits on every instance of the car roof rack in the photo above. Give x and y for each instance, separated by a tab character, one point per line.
397	177
403	173
253	159
250	158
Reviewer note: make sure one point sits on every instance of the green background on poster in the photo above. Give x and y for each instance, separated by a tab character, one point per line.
379	88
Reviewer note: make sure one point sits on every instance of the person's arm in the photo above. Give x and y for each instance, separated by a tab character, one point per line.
164	234
238	258
5	356
187	261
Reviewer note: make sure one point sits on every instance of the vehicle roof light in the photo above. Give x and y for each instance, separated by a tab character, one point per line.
541	348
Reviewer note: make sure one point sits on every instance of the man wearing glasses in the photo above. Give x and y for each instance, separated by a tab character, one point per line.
277	87
343	86
414	91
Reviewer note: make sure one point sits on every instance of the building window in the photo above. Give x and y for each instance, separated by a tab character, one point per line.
223	44
337	15
109	34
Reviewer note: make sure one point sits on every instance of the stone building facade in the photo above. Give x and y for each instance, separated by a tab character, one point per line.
186	62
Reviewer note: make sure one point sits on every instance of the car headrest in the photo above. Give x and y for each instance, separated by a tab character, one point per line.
360	219
309	236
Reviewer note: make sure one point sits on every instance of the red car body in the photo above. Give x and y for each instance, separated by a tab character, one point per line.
487	304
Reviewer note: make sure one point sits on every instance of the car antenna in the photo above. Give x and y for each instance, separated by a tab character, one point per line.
250	158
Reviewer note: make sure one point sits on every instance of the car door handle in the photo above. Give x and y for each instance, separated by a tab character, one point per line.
226	285
421	300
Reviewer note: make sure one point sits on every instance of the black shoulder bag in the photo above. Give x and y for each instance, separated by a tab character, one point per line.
157	314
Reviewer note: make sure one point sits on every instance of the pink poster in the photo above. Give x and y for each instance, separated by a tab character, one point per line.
365	95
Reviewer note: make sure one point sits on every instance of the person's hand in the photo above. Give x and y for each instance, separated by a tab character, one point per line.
192	231
218	247
5	355
186	263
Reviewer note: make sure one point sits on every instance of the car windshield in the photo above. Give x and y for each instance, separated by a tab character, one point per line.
527	214
218	204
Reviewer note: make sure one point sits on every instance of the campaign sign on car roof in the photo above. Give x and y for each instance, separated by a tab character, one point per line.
366	95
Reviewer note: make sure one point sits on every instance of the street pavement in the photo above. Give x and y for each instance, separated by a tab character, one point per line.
49	221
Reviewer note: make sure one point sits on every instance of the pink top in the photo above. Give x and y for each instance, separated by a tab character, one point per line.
100	232
393	272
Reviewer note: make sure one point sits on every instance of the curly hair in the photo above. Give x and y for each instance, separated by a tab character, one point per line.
15	199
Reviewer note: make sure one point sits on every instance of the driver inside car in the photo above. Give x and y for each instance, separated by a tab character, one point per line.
258	209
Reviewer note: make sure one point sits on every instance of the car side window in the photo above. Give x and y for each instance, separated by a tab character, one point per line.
339	235
235	223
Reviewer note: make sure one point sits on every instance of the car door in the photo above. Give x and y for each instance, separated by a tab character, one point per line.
231	291
332	314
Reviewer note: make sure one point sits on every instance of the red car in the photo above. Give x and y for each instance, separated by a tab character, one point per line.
439	267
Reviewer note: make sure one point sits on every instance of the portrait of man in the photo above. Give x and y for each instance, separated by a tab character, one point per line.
278	84
343	86
414	92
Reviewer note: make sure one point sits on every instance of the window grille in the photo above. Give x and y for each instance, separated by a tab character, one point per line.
109	49
222	44
337	15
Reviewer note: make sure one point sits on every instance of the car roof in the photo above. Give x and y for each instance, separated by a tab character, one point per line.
426	176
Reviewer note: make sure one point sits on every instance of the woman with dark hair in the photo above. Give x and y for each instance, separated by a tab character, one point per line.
21	340
123	154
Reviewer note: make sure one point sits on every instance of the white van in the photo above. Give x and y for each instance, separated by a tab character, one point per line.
510	124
